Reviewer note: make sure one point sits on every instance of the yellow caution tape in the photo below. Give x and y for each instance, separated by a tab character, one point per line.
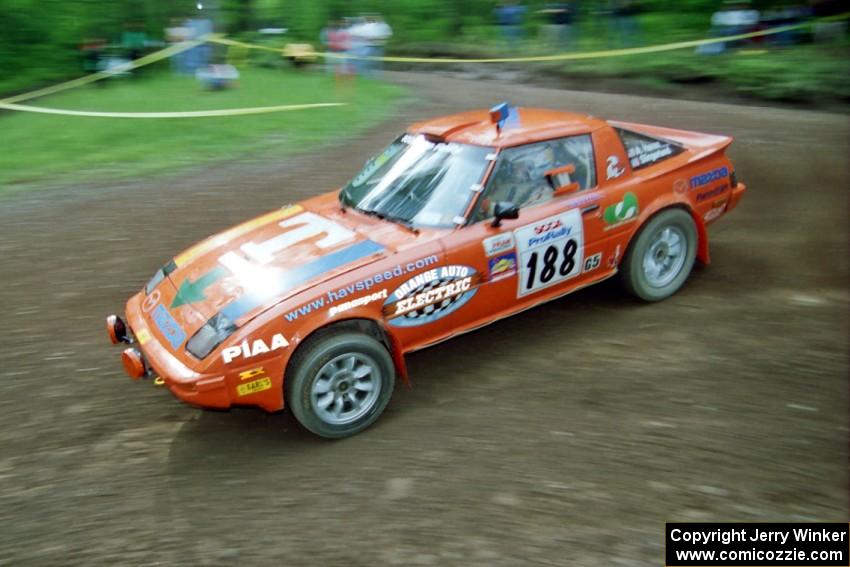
227	41
130	65
556	57
188	114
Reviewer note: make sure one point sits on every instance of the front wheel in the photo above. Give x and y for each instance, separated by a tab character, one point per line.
661	256
338	384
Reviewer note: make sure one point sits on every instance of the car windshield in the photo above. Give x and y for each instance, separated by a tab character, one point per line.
418	182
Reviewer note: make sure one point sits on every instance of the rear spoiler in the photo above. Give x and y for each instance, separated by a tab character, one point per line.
701	145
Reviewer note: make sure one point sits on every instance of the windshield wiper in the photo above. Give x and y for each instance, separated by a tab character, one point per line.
384	216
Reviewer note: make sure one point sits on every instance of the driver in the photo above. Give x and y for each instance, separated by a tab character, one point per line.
520	181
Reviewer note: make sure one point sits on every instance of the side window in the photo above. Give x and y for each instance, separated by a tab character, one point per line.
520	175
578	151
644	150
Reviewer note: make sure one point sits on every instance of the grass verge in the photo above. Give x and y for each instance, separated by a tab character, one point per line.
38	148
804	74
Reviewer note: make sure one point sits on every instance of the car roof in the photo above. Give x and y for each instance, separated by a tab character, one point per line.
475	127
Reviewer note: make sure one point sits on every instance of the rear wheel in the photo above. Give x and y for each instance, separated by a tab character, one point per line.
338	384
661	256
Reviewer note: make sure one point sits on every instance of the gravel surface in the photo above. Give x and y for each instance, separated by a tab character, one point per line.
566	435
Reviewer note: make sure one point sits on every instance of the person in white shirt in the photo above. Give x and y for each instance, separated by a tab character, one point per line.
369	36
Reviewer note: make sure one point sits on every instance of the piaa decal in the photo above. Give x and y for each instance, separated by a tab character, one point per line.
250	349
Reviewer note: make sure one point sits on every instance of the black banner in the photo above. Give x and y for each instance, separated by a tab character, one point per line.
758	545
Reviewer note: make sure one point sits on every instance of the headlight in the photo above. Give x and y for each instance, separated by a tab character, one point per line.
159	276
154	281
210	336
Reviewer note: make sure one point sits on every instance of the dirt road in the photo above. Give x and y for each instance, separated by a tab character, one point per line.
566	435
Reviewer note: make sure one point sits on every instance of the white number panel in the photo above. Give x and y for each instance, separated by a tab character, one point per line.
307	225
550	251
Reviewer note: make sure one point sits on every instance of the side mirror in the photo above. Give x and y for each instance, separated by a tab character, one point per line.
559	179
504	210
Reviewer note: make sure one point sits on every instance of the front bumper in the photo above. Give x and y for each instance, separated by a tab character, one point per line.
146	356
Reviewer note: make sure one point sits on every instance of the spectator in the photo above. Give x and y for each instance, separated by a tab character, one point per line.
338	43
785	16
92	50
369	35
829	31
357	47
624	22
559	30
509	17
133	41
325	38
176	33
737	17
200	55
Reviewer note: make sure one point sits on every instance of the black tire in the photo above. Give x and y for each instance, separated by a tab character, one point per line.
322	361
637	278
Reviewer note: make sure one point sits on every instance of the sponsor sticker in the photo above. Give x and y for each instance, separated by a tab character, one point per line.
714	213
680	186
359	302
550	251
621	212
252	373
367	283
143	336
254	386
710	194
705	178
377	163
431	295
612	260
582	200
168	327
151	301
250	349
592	262
614	170
502	267
648	153
259	382
498	244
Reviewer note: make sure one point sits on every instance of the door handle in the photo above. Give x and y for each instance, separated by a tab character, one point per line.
589	209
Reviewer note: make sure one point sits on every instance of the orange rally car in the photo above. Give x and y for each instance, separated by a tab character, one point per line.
461	221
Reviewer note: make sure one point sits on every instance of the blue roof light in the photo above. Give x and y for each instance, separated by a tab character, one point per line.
504	116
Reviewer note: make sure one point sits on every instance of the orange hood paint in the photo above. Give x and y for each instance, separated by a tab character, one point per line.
220	270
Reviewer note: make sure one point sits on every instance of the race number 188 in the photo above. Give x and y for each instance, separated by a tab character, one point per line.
550	251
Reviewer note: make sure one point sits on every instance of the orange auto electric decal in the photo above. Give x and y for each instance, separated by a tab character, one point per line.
431	295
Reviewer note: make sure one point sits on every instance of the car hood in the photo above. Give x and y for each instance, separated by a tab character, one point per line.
246	269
